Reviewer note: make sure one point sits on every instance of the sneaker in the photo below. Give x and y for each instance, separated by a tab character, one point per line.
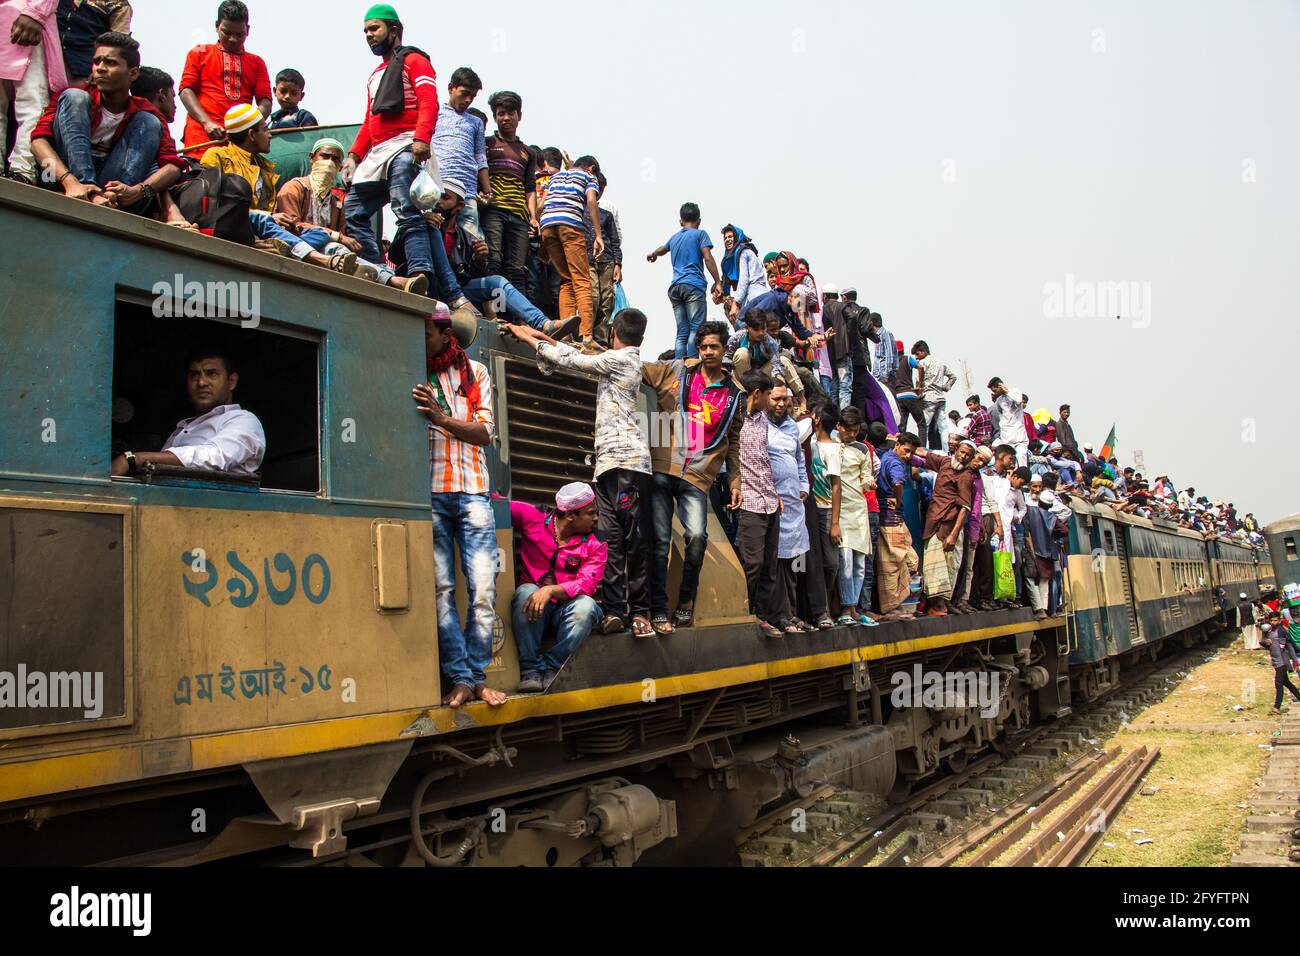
531	682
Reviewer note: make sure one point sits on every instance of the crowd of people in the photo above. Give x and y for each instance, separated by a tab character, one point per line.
790	415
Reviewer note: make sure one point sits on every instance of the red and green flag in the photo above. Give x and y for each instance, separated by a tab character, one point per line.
1108	449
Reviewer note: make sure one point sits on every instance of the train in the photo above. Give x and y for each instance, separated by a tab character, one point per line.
196	668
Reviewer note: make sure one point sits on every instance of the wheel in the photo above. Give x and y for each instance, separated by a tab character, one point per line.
957	762
901	791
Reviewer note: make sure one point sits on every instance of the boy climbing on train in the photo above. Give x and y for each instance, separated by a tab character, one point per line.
623	468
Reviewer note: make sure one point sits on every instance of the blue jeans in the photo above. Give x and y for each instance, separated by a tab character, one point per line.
692	506
844	382
131	159
366	199
465	522
311	240
853	569
1018	535
690	307
443	285
570	623
869	570
514	303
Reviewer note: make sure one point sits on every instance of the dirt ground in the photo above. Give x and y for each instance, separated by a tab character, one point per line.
1213	732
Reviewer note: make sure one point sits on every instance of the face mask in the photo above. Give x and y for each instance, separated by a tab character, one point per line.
381	50
323	174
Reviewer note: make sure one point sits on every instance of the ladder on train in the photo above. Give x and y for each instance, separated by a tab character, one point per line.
1121	548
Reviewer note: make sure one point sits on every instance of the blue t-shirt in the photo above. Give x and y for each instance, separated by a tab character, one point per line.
687	249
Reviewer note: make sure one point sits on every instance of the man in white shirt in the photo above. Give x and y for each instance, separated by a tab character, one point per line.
222	437
1009	404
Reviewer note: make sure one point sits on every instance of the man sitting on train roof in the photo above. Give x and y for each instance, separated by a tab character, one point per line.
99	143
249	140
222	437
563	564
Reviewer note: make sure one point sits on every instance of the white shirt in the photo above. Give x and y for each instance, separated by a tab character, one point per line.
226	439
1011	417
101	139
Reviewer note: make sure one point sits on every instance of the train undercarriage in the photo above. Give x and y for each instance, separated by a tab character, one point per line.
668	782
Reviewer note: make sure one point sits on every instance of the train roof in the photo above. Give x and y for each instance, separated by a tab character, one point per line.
1286	524
1135	521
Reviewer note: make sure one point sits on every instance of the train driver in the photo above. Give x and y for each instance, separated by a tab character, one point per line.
222	437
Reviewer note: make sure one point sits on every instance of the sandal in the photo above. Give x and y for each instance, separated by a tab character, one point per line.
612	624
825	622
642	628
417	284
566	329
662	626
344	262
789	626
684	617
461	694
847	620
767	630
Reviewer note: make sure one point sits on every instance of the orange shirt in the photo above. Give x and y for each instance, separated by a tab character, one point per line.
221	80
455	465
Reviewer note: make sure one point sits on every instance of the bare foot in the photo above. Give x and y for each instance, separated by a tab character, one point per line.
493	698
460	695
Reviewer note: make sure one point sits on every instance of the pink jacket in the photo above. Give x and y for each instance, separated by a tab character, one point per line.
579	564
14	58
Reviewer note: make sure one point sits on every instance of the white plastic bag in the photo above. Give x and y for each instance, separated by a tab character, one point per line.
427	188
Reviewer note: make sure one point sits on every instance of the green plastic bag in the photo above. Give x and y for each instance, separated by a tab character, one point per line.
1004	577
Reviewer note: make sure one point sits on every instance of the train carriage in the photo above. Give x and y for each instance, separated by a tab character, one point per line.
1280	568
268	647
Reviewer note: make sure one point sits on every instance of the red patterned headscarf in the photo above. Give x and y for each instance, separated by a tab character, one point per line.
454	357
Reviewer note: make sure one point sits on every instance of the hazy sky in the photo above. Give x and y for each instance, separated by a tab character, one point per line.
952	160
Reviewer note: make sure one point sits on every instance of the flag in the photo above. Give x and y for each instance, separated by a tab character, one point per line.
1108	449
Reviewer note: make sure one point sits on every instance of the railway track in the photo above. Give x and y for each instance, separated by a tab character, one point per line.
994	812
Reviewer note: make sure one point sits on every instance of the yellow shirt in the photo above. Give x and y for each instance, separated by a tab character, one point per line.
259	171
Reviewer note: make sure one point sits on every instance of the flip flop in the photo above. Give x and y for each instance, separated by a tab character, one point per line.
684	617
643	628
612	624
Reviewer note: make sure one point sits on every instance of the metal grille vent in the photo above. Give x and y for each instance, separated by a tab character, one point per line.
552	431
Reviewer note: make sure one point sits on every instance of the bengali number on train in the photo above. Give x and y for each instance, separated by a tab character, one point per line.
282	579
252	683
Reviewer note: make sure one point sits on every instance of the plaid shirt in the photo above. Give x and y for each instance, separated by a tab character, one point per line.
981	427
757	489
455	465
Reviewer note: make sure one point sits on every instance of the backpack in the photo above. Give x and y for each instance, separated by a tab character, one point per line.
218	204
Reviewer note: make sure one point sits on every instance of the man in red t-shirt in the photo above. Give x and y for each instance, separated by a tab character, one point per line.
220	75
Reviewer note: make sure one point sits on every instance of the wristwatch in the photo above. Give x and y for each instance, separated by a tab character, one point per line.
146	192
131	463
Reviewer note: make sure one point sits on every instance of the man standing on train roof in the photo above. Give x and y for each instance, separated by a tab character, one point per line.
391	148
1009	403
456	398
220	75
222	437
563	563
1065	431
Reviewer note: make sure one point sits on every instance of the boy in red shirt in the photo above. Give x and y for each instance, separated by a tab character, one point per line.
221	75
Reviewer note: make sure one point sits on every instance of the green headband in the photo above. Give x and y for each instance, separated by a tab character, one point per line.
382	11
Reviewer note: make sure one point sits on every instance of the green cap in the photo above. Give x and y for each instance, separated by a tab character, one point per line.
382	11
328	141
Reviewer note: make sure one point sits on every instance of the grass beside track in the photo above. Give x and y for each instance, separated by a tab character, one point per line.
1204	775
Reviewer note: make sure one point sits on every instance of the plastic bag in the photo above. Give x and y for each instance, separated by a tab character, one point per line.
1004	577
620	299
427	188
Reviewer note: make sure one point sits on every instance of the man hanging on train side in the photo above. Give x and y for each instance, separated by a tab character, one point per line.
457	400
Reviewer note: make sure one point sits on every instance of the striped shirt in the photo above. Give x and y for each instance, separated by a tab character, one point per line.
566	195
757	489
455	465
512	171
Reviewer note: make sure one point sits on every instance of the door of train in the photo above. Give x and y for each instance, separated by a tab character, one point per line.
1105	548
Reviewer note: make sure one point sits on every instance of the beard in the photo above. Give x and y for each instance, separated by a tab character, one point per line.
958	466
777	417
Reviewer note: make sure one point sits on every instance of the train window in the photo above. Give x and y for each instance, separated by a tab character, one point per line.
1108	537
1291	550
278	382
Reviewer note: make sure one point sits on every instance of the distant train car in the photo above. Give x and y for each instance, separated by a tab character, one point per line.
1284	550
1132	583
1235	568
